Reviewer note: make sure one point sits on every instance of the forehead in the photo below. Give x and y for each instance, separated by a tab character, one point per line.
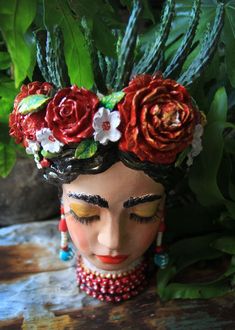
117	184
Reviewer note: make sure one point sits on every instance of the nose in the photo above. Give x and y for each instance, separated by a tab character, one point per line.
111	235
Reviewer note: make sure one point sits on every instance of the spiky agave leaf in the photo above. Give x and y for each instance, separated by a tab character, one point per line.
207	49
111	64
127	48
153	53
98	74
40	38
55	58
102	63
185	46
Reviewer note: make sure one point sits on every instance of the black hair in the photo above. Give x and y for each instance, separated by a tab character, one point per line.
67	168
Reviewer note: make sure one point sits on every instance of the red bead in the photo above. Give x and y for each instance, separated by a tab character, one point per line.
95	288
125	280
126	289
109	289
45	162
109	299
88	291
134	293
63	225
126	296
162	227
100	297
133	277
117	299
104	282
94	294
103	290
158	249
117	283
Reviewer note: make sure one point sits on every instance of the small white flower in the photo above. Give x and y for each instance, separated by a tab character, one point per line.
196	144
105	124
48	141
32	148
37	161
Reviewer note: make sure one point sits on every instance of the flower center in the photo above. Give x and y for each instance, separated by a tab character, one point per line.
106	125
51	138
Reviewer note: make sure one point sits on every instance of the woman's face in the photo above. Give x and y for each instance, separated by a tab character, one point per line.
113	217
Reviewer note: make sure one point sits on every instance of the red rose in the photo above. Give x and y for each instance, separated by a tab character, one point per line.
70	114
24	126
157	119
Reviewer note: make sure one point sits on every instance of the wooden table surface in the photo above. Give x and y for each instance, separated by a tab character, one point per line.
37	291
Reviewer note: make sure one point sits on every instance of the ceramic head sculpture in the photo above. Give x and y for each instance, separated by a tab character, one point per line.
116	153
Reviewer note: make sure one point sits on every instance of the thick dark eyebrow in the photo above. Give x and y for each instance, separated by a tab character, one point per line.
91	199
132	201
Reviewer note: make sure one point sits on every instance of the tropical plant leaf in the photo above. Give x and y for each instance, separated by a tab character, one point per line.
183	254
105	45
16	17
5	60
33	103
7	159
86	149
111	100
225	244
8	90
229	40
75	49
203	174
197	291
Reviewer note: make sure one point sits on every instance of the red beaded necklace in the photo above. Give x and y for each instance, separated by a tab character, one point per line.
113	286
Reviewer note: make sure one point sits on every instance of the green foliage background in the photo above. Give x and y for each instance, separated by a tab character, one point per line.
204	228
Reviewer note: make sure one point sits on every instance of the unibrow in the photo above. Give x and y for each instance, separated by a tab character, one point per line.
132	201
91	199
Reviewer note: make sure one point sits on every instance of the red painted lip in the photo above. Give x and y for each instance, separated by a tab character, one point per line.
112	260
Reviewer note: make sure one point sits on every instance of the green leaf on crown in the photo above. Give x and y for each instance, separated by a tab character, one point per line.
86	149
111	100
33	103
48	154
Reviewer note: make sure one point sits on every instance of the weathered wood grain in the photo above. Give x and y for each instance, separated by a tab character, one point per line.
37	291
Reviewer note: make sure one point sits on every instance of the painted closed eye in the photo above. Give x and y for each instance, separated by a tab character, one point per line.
84	220
142	219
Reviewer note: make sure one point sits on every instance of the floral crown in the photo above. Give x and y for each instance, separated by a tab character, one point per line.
153	118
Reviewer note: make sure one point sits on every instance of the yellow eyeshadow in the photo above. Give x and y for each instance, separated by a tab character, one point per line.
144	210
82	210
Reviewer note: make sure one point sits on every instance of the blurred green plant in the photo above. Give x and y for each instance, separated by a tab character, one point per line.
94	45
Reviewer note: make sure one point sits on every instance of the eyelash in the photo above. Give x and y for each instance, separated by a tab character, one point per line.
84	220
88	220
140	219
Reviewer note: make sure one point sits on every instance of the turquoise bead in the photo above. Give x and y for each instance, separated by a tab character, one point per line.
161	260
66	255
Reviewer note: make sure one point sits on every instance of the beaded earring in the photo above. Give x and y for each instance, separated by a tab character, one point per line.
161	257
66	252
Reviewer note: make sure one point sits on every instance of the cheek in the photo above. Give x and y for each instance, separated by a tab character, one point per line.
80	234
143	237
